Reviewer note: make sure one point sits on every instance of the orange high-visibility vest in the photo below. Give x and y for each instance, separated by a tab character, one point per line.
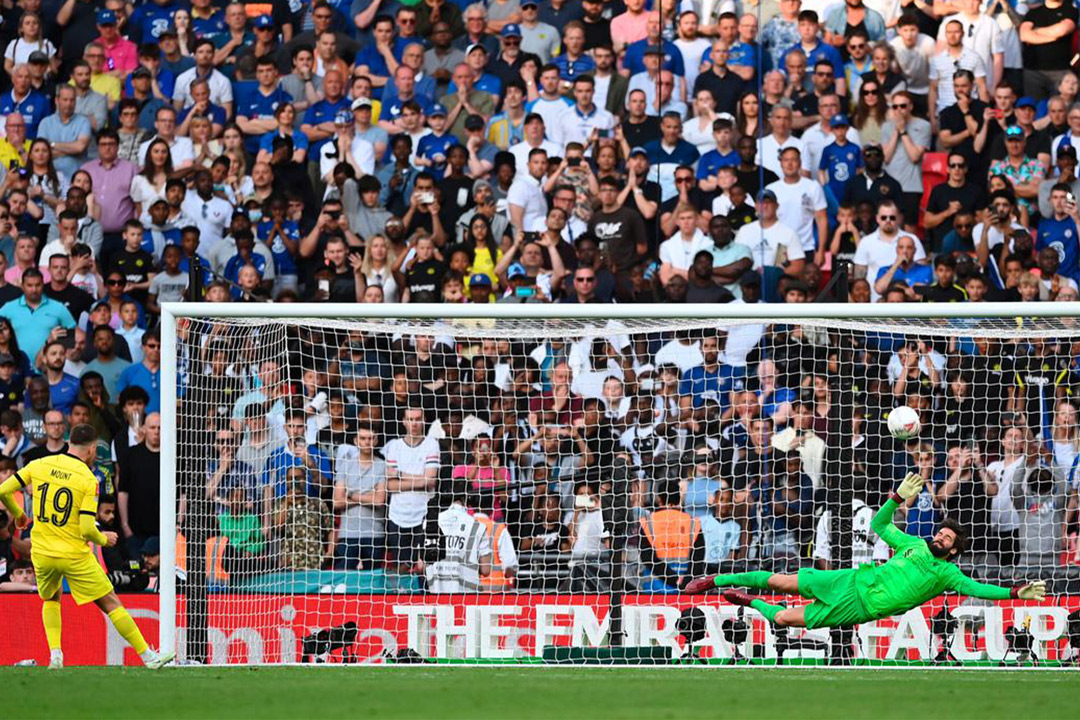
497	580
672	534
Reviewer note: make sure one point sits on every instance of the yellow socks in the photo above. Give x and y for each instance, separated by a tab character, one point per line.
125	625
50	618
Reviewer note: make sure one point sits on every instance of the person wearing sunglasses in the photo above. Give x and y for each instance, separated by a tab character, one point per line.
878	251
1066	166
905	140
842	20
858	64
950	198
943	67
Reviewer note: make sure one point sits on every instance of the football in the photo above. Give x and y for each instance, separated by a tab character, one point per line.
904	423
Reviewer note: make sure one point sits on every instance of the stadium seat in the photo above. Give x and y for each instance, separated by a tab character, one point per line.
935	171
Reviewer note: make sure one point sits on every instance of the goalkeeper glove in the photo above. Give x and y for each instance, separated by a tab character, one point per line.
1032	591
910	487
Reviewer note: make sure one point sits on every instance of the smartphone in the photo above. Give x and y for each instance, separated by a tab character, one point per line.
532	236
573	162
525	292
603	133
582	502
427	198
324	286
1071	198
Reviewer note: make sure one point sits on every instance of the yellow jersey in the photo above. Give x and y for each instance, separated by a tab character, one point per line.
63	488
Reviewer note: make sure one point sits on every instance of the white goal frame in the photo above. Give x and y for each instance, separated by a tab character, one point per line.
172	311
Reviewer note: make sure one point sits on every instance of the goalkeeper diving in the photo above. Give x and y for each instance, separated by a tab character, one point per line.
918	571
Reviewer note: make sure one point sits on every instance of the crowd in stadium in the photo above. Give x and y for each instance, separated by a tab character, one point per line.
563	151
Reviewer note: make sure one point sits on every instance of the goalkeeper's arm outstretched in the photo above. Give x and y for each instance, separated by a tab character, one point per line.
918	571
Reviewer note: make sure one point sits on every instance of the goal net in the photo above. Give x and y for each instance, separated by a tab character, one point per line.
472	488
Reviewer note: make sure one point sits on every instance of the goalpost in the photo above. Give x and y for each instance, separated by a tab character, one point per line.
534	483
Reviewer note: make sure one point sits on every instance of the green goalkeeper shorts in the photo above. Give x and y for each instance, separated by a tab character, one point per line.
836	602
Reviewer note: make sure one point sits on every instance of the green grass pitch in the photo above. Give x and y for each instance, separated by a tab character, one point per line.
542	692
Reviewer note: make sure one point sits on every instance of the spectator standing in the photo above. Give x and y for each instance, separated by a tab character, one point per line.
801	202
147	373
360	497
139	485
905	139
412	463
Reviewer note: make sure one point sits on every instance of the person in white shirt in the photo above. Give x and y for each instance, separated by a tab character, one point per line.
982	35
220	87
583	121
464	553
534	133
913	52
528	208
801	201
770	241
866	547
677	252
551	104
878	249
210	213
781	138
181	149
683	351
691	45
412	469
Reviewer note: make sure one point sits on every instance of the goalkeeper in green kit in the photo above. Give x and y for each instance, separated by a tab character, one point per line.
918	571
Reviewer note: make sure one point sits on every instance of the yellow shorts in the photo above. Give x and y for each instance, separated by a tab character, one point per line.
85	576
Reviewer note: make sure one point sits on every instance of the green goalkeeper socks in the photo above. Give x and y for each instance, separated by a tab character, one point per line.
758	579
769	611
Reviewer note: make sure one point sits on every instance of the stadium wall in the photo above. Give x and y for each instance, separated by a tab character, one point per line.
270	628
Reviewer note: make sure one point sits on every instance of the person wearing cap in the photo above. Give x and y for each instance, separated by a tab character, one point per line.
537	38
771	242
533	138
481	152
1023	171
22	98
1066	166
433	148
822	133
841	160
173	58
121	55
1038	144
68	134
480	291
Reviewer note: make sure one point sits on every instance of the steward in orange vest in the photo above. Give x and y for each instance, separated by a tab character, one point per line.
672	545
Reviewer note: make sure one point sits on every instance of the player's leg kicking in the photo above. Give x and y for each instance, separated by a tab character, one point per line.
88	583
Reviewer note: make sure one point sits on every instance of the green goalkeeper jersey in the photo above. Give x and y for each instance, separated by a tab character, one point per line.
913	575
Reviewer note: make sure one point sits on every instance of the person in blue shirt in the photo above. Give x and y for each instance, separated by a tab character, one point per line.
159	233
189	243
25	100
904	270
206	20
710	381
63	388
815	49
319	125
723	156
150	58
255	113
840	160
668	152
245	255
285	114
432	149
35	316
1060	231
150	19
146	374
671	57
371	59
282	236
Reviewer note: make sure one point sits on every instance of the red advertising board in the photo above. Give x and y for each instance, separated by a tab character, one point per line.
270	628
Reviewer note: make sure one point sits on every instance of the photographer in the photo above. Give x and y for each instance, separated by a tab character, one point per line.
589	539
461	555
